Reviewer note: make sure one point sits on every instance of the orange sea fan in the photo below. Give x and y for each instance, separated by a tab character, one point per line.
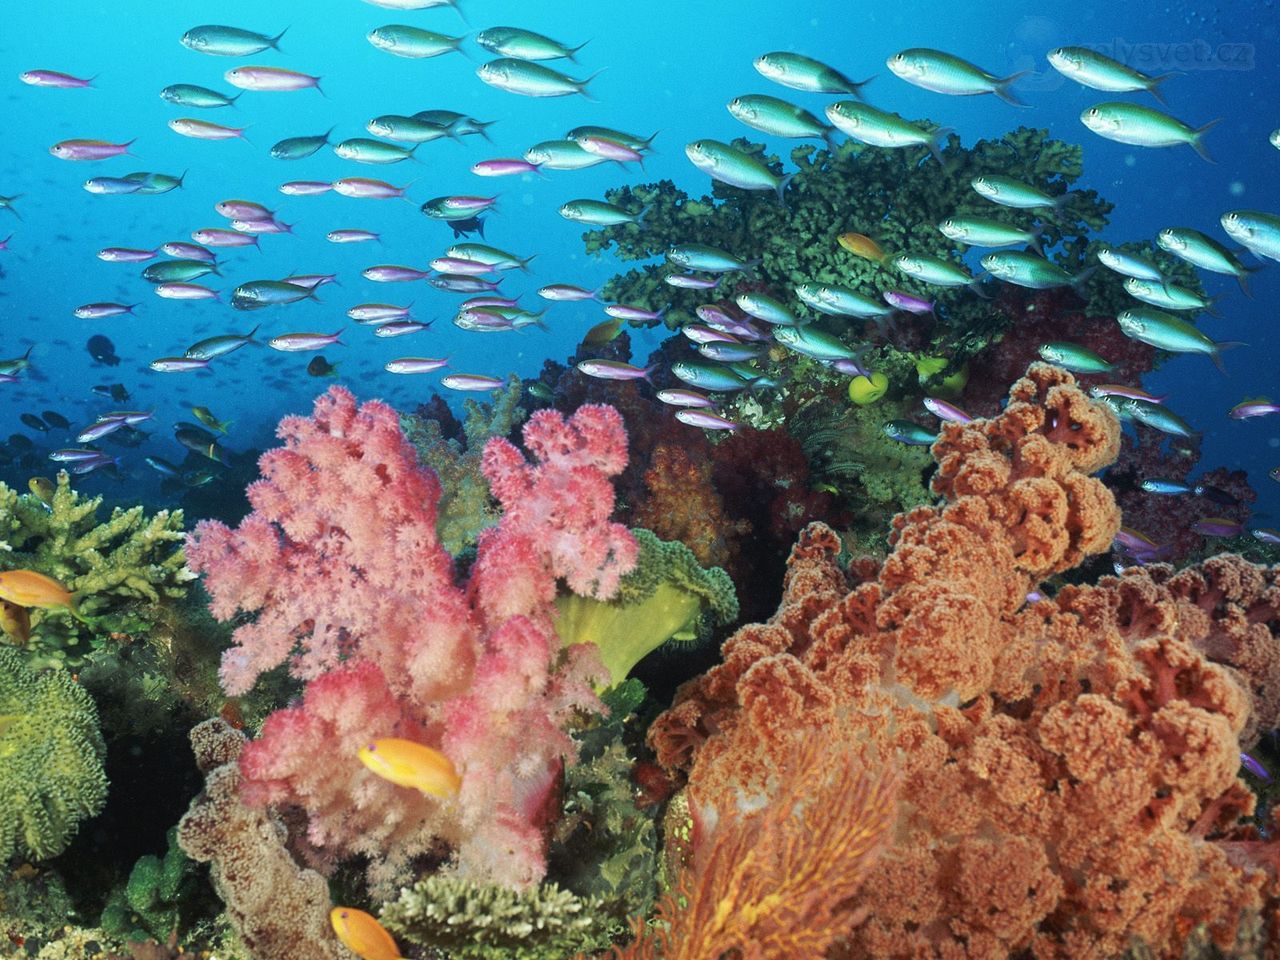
775	884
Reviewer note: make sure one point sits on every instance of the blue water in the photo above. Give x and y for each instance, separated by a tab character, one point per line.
670	66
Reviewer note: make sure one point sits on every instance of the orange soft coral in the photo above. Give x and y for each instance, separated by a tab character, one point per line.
1068	766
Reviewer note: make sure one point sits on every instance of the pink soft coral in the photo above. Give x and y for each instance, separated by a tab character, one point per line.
341	563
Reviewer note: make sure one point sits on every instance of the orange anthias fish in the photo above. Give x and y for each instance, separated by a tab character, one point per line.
860	245
410	764
26	588
363	935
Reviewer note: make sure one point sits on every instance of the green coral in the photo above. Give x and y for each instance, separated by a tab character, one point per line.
465	506
897	197
150	904
121	568
668	595
470	921
51	755
604	844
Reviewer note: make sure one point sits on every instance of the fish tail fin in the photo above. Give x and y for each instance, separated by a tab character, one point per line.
574	50
937	140
644	212
275	41
581	85
782	187
127	145
1004	93
857	87
1082	278
541	324
648	373
647	143
319	89
1243	279
483	128
182	179
458	48
232	100
1153	87
1036	243
524	264
458	6
311	295
1197	139
829	138
1216	354
73	607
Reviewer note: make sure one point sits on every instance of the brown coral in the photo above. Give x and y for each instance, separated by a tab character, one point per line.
1069	766
280	910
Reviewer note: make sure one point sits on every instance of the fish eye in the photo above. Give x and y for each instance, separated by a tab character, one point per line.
1093	111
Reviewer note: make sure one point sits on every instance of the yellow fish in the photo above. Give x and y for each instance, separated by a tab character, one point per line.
860	245
26	588
363	935
603	332
410	764
15	621
43	488
205	416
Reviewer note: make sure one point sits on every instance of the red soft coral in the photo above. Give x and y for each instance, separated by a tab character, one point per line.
341	564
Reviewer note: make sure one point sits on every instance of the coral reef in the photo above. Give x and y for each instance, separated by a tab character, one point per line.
474	922
121	568
51	756
149	907
454	452
668	595
1070	765
773	881
342	564
280	910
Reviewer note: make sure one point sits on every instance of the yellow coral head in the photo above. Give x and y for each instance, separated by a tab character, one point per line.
362	934
407	763
865	390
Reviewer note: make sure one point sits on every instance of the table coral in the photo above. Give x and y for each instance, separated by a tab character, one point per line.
342	564
51	757
1069	766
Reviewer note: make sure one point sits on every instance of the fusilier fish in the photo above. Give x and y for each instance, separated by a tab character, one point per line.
100	311
1166	295
562	155
83	150
305	188
1167	332
815	343
699	256
111	186
705	419
945	73
365	189
190	95
483	253
1129	264
531	79
980	232
1093	69
1009	192
178	271
934	270
471	382
840	301
364	150
54	78
403	129
273	79
413	42
1143	127
736	168
351	236
220	41
1258	232
805	73
504	167
299	148
1204	252
717	379
219	346
766	308
909	432
178	364
779	118
524	44
567	292
407	365
296	342
1154	415
1075	358
630	139
204	130
881	129
615	370
598	213
1027	270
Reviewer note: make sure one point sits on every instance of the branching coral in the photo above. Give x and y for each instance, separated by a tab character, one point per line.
51	756
118	567
1071	764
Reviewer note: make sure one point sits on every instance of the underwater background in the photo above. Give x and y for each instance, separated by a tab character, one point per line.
421	711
